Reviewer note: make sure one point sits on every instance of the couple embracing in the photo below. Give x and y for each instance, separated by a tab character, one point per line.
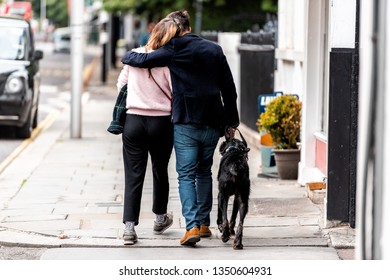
181	95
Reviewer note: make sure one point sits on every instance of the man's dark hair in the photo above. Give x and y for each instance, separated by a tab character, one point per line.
182	18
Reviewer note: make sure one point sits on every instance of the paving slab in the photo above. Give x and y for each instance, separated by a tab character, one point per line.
67	194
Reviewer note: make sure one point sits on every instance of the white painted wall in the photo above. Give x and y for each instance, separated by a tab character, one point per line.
313	86
301	59
230	42
291	43
300	70
342	23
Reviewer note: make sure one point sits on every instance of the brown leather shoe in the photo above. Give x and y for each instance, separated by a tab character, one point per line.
204	231
191	237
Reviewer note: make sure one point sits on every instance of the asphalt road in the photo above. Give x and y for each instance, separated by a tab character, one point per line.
55	92
20	253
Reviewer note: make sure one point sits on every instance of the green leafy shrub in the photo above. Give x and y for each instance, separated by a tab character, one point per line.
282	120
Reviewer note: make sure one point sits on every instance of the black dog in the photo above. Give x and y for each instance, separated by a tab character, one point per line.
233	179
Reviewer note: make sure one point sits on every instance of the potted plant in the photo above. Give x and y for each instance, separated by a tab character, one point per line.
282	120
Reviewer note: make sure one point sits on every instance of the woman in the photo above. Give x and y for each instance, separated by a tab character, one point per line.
148	129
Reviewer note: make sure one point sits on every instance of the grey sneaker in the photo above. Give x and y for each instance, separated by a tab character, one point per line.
159	228
129	237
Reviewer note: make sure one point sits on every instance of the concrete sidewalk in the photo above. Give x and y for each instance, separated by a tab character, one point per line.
67	194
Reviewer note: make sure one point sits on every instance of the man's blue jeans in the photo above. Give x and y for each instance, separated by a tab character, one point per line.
194	148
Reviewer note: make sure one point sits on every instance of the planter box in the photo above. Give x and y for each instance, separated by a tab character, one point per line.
287	163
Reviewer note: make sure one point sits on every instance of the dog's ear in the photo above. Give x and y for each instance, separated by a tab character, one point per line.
243	146
246	149
246	146
222	147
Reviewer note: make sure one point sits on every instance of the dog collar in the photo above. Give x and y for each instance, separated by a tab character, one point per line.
231	147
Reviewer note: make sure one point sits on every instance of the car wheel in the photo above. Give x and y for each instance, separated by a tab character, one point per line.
25	131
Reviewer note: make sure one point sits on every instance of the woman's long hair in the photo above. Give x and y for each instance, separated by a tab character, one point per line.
164	31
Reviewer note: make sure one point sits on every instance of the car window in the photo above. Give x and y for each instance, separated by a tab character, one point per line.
65	37
13	43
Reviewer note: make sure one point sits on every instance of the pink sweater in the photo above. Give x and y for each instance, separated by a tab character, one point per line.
144	97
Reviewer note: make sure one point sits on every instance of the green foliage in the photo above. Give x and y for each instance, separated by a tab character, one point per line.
282	119
219	15
235	16
269	6
56	11
36	6
116	6
153	9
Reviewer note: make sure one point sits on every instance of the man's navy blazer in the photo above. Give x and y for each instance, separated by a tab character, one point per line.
204	92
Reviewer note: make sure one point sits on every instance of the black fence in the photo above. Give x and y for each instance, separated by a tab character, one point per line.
257	63
210	35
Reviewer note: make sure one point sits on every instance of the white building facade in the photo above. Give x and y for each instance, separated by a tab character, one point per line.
327	56
316	40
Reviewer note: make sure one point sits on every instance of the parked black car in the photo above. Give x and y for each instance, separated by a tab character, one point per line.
19	76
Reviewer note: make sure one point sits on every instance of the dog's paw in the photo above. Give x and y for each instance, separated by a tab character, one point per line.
232	232
225	239
220	227
225	236
237	246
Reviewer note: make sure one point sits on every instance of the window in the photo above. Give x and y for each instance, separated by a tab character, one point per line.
13	43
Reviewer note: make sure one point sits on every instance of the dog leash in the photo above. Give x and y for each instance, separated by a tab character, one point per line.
239	132
234	146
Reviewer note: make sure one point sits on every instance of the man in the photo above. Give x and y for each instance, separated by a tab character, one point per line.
204	103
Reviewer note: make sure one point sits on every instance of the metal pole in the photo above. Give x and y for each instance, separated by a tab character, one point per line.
77	8
43	12
198	16
104	64
103	40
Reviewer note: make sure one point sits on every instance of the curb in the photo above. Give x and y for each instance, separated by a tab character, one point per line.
88	72
43	125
